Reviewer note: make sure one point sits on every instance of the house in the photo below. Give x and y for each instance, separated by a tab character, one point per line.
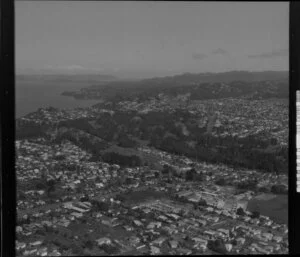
228	247
138	223
240	240
261	250
159	241
219	203
151	225
27	233
36	243
19	229
174	216
103	240
269	248
277	247
55	253
47	223
210	233
76	214
162	217
98	215
128	228
224	231
213	218
134	240
154	250
263	243
64	223
200	241
242	204
85	205
246	218
268	222
173	244
169	230
42	251
255	221
141	246
30	252
20	245
202	222
184	251
267	236
210	209
277	239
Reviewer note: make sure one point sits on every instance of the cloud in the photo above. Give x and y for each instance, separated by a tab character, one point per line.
72	67
199	56
220	51
272	54
68	67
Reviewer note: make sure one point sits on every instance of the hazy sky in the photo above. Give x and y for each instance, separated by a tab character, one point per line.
151	38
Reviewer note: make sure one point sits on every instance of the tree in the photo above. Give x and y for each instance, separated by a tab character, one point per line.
120	197
264	189
143	177
101	206
200	177
50	186
278	189
128	180
110	249
76	249
181	212
234	242
190	175
249	185
273	141
221	182
89	244
40	185
217	246
59	157
255	215
85	198
156	174
165	170
240	211
202	202
21	195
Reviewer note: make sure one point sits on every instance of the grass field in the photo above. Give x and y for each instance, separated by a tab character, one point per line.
151	159
276	208
141	196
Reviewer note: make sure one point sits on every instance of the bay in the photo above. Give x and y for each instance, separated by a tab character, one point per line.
34	94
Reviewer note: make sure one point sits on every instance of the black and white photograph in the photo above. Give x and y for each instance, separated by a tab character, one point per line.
151	128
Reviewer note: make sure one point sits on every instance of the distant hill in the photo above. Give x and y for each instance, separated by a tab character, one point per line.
250	86
189	79
91	78
255	85
224	77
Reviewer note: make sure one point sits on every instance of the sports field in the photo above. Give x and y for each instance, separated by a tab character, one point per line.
274	207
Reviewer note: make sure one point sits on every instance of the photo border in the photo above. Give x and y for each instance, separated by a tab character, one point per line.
7	119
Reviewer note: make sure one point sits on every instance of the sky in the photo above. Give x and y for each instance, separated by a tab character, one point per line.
150	38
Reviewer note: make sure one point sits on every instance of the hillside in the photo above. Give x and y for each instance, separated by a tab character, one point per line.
200	86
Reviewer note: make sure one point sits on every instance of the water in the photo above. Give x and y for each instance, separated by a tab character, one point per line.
31	95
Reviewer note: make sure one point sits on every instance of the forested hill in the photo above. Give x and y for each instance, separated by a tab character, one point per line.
224	77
